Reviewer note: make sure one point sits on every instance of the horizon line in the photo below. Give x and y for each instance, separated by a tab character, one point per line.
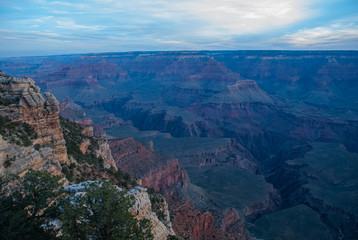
178	51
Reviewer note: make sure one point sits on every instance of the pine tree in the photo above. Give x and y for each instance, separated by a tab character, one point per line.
101	213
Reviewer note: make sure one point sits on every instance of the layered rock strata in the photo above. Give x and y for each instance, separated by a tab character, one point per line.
22	102
167	178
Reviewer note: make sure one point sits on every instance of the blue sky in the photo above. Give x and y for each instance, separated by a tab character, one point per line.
47	27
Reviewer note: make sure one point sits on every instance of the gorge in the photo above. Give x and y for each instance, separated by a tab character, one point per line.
241	144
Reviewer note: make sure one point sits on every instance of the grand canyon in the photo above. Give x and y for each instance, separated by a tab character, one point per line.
240	144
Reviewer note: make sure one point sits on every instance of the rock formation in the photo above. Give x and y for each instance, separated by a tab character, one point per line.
97	130
167	178
142	209
24	103
189	223
105	153
132	157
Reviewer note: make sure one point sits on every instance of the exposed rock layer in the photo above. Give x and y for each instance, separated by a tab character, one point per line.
25	103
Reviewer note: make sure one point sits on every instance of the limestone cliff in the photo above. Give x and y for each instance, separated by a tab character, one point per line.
32	137
23	106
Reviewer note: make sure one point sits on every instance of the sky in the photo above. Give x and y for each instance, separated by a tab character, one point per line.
50	27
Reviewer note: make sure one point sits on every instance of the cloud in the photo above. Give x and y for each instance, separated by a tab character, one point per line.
245	17
208	18
37	33
335	34
69	4
113	25
43	19
168	41
70	24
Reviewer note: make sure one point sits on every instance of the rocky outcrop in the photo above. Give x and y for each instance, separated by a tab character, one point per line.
247	91
97	130
190	223
84	146
17	160
43	117
233	224
105	153
142	209
22	102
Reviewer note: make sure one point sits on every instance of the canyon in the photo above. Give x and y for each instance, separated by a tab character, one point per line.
232	139
34	138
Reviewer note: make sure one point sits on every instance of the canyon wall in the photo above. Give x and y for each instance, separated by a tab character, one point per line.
23	103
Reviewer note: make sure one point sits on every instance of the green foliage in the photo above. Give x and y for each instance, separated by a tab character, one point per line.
74	138
24	212
101	213
37	146
19	133
121	179
5	101
157	201
68	171
8	161
171	237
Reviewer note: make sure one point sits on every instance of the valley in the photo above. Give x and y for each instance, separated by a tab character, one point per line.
268	135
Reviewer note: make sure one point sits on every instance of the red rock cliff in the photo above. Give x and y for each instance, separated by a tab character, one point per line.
166	177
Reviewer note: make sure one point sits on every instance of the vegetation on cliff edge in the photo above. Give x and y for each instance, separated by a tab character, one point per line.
88	166
19	133
38	208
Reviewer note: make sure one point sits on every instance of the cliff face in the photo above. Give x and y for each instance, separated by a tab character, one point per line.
167	178
23	103
189	223
153	170
132	157
17	160
23	106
